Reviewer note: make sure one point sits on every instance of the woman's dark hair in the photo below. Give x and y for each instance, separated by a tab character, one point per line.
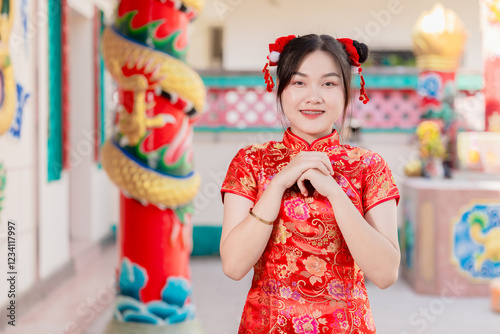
298	48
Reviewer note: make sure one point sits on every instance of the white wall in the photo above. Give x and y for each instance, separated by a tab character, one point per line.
249	26
53	197
91	191
199	34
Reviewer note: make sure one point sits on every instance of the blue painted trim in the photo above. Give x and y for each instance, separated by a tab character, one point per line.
102	93
206	240
54	140
470	82
373	81
230	81
400	82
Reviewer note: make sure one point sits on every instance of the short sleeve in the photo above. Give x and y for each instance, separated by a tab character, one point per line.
240	179
378	183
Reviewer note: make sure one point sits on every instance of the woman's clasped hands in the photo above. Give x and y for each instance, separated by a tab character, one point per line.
311	166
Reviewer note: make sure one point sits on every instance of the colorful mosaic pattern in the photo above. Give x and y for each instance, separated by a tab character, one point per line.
389	109
476	241
241	108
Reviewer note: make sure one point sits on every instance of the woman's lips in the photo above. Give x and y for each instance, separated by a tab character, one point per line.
312	113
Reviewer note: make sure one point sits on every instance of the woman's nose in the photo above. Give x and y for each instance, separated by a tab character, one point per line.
314	96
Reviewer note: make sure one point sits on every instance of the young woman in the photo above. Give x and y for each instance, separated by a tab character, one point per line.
310	215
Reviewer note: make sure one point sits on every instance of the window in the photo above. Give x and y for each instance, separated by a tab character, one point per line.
216	49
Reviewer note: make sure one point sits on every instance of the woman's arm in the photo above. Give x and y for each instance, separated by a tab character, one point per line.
372	239
243	237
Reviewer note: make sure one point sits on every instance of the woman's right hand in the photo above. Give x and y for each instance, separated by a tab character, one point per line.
299	164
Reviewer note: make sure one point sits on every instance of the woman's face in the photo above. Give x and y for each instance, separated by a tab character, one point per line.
314	99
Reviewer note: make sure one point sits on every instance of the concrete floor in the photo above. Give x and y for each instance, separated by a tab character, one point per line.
83	305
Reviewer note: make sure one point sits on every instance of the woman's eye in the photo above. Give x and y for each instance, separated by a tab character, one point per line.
330	83
298	83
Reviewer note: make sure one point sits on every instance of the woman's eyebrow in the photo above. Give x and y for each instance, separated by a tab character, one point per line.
332	74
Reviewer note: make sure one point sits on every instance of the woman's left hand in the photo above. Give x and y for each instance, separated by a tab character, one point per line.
324	184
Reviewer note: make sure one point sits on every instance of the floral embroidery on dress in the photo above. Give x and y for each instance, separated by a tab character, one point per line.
357	292
306	281
367	160
337	290
332	247
341	319
354	154
297	209
315	267
291	259
270	287
280	233
305	324
370	324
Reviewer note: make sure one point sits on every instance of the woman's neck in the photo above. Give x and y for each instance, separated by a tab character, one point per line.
309	138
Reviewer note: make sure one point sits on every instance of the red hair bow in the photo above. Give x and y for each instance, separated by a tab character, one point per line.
353	55
278	47
351	51
275	50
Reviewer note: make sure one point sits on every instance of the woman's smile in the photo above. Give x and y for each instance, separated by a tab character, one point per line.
312	114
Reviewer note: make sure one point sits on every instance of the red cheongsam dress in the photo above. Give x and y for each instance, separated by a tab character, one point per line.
306	281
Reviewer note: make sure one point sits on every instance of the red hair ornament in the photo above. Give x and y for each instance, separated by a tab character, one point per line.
353	55
275	50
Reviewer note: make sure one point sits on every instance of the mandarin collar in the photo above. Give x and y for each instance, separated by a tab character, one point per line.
298	144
